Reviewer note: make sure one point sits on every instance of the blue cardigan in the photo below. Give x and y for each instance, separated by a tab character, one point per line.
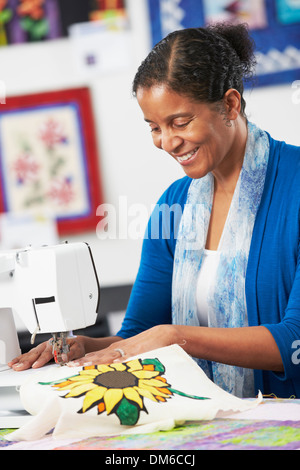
273	271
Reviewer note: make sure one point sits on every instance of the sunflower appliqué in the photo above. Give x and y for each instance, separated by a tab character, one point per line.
120	388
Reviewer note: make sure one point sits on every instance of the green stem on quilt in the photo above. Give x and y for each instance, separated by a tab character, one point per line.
55	382
187	395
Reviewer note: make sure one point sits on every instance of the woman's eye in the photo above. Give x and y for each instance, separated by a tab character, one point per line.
181	125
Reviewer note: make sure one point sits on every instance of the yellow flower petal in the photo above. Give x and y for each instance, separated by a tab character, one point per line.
133	395
134	365
145	393
93	396
68	386
63	385
153	390
154	383
111	398
82	378
119	366
89	373
80	389
104	368
145	374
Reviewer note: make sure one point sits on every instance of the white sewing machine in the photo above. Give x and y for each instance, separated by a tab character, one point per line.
53	289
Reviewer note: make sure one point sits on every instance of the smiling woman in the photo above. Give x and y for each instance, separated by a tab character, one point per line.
225	283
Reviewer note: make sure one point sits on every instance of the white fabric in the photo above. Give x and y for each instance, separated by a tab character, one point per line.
191	396
206	282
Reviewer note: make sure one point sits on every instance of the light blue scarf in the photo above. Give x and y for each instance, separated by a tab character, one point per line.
227	302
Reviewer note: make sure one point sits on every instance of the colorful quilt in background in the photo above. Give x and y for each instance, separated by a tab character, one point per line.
29	21
210	435
219	434
274	25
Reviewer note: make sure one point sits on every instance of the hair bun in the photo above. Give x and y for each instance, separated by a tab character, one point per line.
240	40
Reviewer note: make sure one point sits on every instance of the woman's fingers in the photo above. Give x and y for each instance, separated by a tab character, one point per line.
35	358
105	356
42	354
120	351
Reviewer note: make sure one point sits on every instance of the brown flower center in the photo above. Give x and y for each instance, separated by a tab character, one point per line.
116	379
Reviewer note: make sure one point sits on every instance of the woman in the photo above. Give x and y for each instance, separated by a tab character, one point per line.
221	277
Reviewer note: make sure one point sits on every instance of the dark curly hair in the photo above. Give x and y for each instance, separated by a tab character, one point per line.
201	63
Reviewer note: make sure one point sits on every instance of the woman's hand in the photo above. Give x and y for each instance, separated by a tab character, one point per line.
42	354
120	351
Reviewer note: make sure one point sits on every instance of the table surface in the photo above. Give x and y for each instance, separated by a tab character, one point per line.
273	425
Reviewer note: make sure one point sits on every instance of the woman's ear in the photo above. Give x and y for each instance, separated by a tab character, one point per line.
232	103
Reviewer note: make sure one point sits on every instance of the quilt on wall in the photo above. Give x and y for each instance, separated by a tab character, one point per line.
274	26
49	158
36	20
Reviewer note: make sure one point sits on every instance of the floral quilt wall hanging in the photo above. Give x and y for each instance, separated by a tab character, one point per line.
154	391
48	158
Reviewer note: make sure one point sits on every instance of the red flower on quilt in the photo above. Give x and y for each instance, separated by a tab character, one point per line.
51	133
61	191
31	8
25	168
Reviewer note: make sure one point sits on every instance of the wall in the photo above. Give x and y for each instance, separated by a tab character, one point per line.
276	109
131	166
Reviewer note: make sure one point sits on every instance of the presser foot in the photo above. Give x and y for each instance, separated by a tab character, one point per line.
60	348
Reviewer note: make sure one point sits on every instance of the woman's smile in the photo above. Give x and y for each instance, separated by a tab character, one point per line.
187	158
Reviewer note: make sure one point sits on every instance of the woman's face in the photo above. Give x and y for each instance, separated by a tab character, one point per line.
194	134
